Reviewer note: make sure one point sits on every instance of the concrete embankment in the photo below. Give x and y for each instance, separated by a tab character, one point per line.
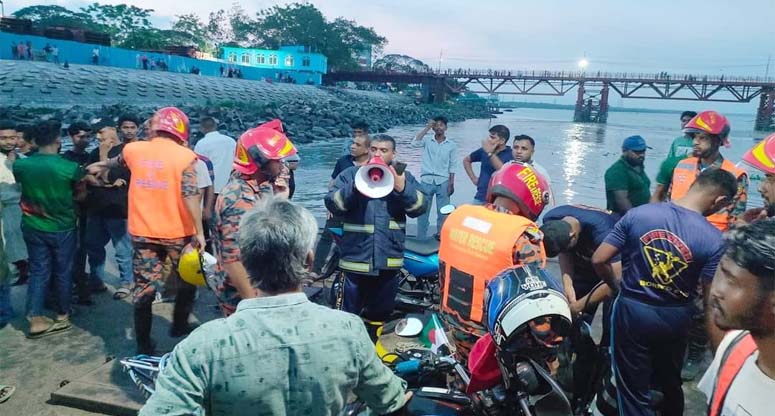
31	90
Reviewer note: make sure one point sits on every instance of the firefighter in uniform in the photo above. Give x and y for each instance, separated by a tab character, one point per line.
258	173
710	130
478	242
762	158
372	246
165	215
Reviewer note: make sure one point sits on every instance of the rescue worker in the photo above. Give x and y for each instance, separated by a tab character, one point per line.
762	157
741	302
372	246
574	232
710	130
477	242
668	250
165	214
258	172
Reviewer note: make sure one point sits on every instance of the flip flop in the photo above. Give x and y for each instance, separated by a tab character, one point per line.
121	293
6	392
55	328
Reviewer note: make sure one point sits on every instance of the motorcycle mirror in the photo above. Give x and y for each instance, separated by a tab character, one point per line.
409	327
446	209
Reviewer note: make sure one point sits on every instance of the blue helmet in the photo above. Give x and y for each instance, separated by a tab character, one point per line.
525	309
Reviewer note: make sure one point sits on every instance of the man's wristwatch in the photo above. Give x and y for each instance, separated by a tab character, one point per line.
490	154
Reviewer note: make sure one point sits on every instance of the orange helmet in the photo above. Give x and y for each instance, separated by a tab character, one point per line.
522	184
709	122
257	146
762	156
171	120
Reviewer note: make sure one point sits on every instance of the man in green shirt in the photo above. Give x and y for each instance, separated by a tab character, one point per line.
48	224
679	150
279	354
626	183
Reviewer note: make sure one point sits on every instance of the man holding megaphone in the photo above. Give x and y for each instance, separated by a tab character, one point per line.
374	201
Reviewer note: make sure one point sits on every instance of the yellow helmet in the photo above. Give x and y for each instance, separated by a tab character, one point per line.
190	267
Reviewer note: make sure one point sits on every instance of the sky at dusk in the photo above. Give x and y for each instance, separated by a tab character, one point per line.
677	36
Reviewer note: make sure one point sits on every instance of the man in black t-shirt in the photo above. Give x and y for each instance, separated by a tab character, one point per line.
106	215
359	155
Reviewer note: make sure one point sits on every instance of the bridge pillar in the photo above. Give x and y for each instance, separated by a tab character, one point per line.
591	104
434	91
765	120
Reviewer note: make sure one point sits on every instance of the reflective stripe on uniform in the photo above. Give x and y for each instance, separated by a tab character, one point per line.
394	225
358	228
395	262
417	205
354	266
339	201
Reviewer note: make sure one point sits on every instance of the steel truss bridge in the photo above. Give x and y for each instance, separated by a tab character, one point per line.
592	88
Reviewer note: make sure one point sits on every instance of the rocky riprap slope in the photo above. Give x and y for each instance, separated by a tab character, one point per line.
33	90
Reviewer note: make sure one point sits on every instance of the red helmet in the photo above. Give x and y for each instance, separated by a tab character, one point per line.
171	120
709	122
762	156
523	185
259	145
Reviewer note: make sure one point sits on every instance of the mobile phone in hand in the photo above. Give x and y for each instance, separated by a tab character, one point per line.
400	167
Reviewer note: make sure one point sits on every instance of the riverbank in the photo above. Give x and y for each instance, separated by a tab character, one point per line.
34	90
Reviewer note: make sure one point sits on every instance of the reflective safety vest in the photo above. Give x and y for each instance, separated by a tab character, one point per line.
683	177
156	207
476	244
742	347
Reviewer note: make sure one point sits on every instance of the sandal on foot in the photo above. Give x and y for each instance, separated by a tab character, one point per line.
121	293
55	328
6	392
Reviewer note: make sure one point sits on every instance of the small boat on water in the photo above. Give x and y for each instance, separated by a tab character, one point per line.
508	110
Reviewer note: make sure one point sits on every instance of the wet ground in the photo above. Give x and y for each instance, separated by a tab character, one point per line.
38	367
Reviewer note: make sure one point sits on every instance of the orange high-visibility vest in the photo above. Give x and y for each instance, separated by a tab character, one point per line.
156	207
742	347
683	177
476	244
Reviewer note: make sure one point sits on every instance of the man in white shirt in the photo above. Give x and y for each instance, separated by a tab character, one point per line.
523	149
741	378
437	177
219	148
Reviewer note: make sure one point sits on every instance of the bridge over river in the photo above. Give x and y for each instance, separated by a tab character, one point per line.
592	88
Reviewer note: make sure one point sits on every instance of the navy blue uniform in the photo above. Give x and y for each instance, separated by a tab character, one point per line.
372	246
666	249
596	224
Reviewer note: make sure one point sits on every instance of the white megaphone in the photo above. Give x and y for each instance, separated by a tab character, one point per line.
374	179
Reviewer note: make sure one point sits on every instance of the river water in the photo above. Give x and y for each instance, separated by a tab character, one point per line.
576	155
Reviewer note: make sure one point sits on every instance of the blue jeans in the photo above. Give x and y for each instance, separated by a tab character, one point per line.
49	251
441	191
6	310
100	230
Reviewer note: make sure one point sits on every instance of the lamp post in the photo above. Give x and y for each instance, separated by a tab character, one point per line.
2	9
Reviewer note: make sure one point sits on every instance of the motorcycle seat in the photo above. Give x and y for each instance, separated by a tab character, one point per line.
421	247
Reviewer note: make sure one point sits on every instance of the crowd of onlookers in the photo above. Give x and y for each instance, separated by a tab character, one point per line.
25	51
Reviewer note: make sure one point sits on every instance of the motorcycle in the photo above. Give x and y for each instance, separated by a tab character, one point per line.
418	280
527	389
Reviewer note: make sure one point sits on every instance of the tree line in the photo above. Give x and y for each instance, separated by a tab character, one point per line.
131	27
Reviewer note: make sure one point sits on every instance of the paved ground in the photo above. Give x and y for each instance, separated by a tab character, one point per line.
37	367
